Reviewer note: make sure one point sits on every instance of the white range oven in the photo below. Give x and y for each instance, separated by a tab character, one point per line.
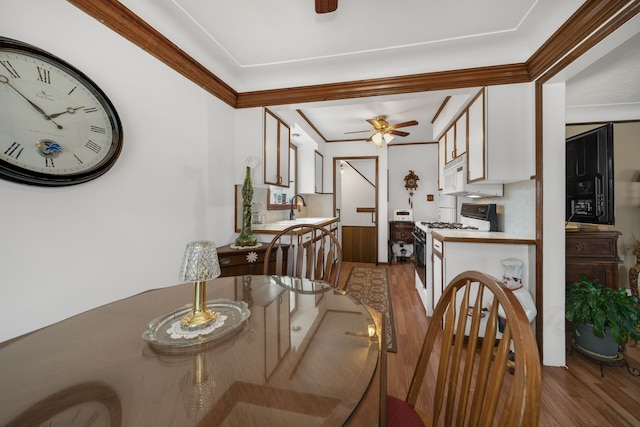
482	217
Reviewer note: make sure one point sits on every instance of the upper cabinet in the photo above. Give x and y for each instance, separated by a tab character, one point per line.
442	147
475	159
280	197
455	138
319	165
496	130
501	129
450	144
276	150
461	135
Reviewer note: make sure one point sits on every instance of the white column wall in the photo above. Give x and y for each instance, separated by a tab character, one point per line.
553	247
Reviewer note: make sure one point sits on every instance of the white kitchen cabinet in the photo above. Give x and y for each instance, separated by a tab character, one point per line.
450	144
319	165
476	129
451	257
441	160
307	169
461	135
438	271
276	150
454	139
501	125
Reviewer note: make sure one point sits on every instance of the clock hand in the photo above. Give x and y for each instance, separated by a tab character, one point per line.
5	80
69	110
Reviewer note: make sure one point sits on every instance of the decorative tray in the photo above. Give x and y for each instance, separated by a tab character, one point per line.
165	330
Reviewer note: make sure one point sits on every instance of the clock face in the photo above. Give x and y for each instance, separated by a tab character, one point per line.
411	180
56	126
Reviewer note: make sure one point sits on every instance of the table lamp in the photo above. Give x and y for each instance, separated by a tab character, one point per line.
200	263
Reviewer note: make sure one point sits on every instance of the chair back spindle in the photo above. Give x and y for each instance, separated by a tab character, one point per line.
476	381
305	250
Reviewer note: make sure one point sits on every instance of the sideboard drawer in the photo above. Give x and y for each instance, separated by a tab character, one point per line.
601	244
593	254
235	262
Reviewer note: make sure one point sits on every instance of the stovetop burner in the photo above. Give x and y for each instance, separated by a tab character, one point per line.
447	225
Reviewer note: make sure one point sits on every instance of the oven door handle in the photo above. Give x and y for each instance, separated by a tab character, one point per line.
418	238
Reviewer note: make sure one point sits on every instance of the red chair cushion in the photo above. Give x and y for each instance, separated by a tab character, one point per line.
400	414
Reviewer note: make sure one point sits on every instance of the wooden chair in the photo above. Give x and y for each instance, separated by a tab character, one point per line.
305	250
471	384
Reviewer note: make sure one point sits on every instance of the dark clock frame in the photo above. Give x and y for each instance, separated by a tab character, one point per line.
15	173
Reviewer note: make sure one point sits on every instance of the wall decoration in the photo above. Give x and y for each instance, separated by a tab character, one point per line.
58	127
411	183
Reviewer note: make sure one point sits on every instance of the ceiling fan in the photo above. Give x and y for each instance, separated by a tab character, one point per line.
326	6
383	131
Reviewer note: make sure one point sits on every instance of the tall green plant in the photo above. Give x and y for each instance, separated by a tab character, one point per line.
589	302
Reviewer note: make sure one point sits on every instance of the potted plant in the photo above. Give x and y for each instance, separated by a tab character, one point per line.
602	317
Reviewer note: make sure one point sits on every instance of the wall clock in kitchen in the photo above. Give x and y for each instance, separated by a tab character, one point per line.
57	127
411	183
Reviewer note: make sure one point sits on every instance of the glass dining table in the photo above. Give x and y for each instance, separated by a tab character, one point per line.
307	355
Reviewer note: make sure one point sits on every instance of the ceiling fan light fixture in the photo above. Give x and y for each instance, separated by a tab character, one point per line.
388	138
377	138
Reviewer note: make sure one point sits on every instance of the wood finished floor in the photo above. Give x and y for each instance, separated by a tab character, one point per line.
573	396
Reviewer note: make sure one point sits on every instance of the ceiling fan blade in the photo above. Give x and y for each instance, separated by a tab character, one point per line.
359	131
326	6
398	132
404	124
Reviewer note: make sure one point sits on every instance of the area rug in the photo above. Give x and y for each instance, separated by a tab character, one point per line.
370	285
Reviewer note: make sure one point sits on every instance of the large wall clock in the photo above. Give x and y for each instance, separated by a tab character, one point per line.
57	127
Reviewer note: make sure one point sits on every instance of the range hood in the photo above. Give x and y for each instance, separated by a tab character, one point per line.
455	182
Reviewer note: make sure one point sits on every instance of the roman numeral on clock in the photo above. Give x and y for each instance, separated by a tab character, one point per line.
93	146
14	150
90	110
48	162
98	129
12	71
44	76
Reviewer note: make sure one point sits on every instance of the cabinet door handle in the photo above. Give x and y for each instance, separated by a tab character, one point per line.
580	246
225	261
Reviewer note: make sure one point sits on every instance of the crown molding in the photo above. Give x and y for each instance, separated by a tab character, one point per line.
586	27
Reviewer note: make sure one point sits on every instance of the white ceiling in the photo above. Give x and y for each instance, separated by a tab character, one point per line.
257	45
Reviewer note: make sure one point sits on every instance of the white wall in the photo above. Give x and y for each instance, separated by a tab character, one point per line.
423	160
553	243
66	250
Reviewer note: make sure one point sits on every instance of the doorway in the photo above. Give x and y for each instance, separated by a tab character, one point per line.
356	203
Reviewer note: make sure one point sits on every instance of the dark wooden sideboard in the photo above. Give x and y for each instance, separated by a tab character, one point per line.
593	254
236	262
400	233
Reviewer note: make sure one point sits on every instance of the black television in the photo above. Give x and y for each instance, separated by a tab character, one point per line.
589	173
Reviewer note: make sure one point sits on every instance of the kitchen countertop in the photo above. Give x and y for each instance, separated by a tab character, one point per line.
277	226
474	236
